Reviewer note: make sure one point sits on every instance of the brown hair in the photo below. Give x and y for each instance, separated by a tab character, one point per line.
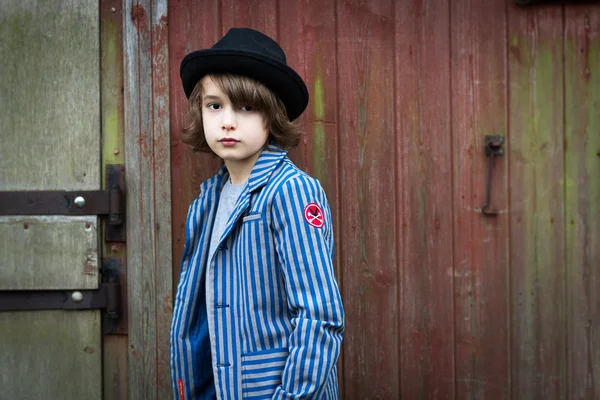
242	91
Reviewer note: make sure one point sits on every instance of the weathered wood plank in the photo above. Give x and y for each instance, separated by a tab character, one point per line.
365	37
114	371
425	161
191	28
51	355
49	252
478	66
161	196
536	151
111	88
255	14
113	135
49	104
148	211
582	199
308	36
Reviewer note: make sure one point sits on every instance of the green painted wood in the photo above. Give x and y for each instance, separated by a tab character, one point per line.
536	153
49	104
54	355
582	199
369	252
111	62
424	160
150	293
481	259
114	347
48	253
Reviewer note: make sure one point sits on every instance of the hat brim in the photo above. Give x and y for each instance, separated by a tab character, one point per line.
277	76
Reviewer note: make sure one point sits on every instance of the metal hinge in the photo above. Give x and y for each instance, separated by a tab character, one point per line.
106	297
109	202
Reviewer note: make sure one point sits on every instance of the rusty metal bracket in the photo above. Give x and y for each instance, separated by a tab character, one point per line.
115	181
114	271
109	202
107	296
94	202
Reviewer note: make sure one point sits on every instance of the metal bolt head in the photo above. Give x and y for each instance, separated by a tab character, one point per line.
76	297
116	151
80	201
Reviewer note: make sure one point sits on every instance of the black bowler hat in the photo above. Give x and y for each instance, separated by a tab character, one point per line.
247	52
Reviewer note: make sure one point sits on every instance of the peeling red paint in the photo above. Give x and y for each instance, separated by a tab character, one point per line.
138	13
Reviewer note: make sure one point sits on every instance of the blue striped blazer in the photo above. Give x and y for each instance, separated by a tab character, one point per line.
274	311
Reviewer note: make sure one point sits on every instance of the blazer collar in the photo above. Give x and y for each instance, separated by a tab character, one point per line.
261	172
264	167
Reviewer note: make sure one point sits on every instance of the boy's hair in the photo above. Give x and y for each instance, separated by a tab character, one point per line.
242	91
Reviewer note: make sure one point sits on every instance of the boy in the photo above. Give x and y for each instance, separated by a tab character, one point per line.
258	314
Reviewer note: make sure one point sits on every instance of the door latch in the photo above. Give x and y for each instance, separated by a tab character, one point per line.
493	148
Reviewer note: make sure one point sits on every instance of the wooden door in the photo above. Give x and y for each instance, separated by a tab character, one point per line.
50	140
441	301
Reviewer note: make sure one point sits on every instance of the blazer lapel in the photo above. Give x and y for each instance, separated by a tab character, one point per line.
264	167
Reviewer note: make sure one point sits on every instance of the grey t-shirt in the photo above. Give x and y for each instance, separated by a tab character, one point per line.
229	195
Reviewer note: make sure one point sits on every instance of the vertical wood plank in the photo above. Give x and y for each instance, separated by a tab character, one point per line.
148	210
582	199
425	161
365	35
478	65
114	347
191	28
161	196
308	37
114	354
51	354
49	103
256	14
536	123
111	83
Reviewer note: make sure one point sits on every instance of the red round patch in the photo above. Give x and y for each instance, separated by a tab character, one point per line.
314	215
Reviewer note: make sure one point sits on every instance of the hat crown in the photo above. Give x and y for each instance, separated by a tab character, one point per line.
249	40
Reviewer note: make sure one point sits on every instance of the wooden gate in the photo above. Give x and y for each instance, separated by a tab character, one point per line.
57	272
441	300
50	354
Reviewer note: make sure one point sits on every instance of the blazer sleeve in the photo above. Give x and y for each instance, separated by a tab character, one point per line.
305	254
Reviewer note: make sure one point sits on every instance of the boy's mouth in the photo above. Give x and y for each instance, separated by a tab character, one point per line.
228	141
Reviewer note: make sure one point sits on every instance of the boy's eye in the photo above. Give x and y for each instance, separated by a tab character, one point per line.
214	106
247	108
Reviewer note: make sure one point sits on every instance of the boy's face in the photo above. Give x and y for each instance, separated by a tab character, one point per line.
236	134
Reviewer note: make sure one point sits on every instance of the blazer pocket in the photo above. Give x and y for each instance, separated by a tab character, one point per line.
261	372
252	217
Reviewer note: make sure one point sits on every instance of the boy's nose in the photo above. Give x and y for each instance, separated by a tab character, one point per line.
228	122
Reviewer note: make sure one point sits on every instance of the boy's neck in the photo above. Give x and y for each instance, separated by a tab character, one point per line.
239	170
